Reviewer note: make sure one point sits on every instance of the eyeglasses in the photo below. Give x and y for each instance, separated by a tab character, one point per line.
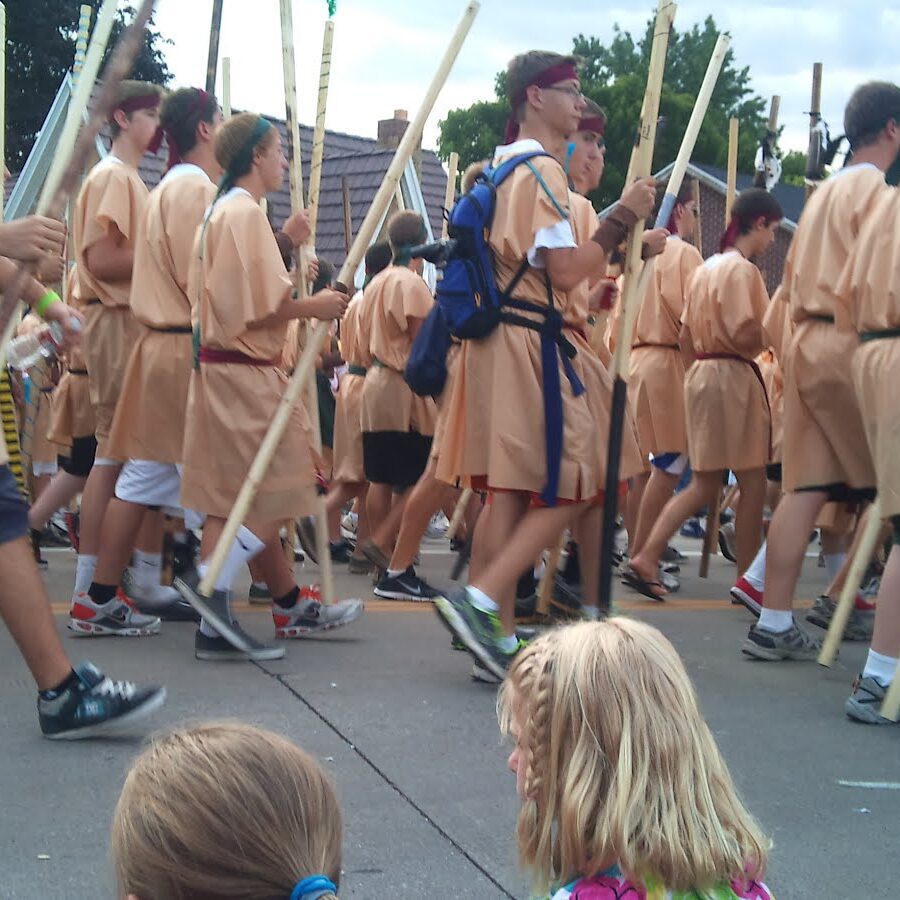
573	92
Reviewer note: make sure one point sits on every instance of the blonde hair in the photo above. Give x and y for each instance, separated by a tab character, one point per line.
620	765
224	810
233	137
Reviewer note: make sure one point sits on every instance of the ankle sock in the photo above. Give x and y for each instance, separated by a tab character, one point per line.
84	572
246	545
880	667
480	600
508	643
756	574
101	594
207	630
69	681
395	573
777	620
289	599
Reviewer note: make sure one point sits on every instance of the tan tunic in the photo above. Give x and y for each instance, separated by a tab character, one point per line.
656	381
824	439
726	411
241	280
871	286
112	195
348	450
149	420
388	403
495	431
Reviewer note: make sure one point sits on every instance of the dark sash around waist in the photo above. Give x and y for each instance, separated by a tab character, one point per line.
170	329
755	369
883	334
356	370
822	318
378	364
92	302
47	390
660	346
78	371
215	356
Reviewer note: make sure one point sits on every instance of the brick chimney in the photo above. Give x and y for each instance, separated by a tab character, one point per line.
390	131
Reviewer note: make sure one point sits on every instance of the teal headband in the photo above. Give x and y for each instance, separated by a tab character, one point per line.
243	160
402	251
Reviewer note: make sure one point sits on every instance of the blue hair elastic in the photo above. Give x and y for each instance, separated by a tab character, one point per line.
570	149
312	887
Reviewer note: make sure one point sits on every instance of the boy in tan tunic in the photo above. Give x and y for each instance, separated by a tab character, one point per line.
245	301
106	217
726	408
496	433
825	454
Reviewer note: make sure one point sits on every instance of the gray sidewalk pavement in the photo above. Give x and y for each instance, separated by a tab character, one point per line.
413	745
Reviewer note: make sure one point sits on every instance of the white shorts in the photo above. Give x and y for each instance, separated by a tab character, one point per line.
155	484
44	468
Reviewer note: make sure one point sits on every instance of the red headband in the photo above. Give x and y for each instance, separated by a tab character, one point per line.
174	150
561	72
597	124
142	101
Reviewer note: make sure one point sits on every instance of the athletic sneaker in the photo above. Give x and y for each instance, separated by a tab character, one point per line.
309	615
437	527
794	643
259	596
306	532
340	551
161	601
215	610
405	586
480	631
673	554
565	601
73	527
95	705
359	565
349	524
54	535
483	674
39	560
217	648
184	555
118	617
726	542
743	592
372	552
860	625
692	529
864	703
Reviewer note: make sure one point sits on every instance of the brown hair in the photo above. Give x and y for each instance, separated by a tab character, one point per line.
869	109
224	810
523	69
751	205
620	766
685	195
378	258
593	110
233	137
405	229
181	113
127	90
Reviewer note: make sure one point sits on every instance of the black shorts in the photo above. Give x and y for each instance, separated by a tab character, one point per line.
13	509
397	458
773	472
842	493
80	460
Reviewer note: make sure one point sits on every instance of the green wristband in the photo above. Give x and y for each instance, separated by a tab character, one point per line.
46	302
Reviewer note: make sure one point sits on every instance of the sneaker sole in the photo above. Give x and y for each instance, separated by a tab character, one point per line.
259	601
866	713
726	550
81	628
235	638
222	655
768	654
297	631
399	595
457	625
746	601
850	632
115	724
482	675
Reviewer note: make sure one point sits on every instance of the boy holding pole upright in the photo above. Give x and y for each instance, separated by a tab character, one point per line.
542	470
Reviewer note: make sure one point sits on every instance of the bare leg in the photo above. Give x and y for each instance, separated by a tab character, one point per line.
271	564
748	518
633	506
150	535
424	500
378	505
98	491
25	608
39	484
786	545
588	530
62	488
481	543
339	493
658	492
121	525
385	535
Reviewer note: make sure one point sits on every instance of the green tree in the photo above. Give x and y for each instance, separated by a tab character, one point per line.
614	75
793	168
41	49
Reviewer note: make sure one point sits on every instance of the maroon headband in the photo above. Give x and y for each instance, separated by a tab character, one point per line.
561	72
597	124
174	150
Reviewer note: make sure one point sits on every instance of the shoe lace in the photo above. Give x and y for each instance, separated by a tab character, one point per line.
119	690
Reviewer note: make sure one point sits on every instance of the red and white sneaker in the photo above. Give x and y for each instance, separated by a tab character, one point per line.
309	615
744	593
118	617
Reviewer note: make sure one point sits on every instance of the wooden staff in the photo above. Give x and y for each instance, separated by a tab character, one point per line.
640	165
450	193
226	87
545	588
731	184
815	149
76	143
212	61
459	513
318	149
348	214
307	359
768	142
698	218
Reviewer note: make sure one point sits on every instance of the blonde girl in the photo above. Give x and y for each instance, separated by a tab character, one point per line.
225	810
624	792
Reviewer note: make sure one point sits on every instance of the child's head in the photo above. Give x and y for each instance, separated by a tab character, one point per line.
615	763
683	219
378	258
225	810
406	230
587	159
544	86
189	117
872	115
249	143
756	213
136	114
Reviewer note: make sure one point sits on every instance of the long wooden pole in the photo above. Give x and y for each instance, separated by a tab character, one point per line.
348	214
307	359
814	149
731	177
450	193
768	142
639	166
318	149
212	61
226	87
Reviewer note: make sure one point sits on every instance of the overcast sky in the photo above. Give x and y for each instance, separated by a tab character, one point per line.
385	51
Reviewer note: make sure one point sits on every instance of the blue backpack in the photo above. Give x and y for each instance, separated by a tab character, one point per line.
469	303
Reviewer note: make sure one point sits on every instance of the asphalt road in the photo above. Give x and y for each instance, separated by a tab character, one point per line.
413	744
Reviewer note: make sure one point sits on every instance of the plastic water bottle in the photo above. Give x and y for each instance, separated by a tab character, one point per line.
43	343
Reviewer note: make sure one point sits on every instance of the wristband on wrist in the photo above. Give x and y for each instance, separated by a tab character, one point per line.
46	302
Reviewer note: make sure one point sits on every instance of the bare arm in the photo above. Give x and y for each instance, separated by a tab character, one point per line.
111	258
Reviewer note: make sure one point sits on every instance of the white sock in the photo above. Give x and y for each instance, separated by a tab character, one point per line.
84	572
508	643
393	573
480	600
146	568
833	563
756	574
246	545
880	667
260	585
777	620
